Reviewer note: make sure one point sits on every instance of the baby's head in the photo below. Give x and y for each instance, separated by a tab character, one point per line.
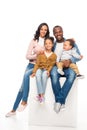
68	44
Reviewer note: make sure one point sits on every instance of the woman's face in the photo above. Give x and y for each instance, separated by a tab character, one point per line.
43	31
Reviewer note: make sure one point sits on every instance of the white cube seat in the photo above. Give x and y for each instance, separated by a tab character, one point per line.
43	114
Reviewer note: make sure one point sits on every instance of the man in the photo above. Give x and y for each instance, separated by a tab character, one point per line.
61	93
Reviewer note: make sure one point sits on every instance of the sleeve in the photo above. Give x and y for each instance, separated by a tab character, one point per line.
73	59
36	66
30	55
53	62
77	49
75	54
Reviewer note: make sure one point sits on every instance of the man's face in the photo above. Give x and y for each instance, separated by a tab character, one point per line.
58	33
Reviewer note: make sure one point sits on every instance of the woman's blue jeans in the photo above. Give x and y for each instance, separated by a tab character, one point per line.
24	90
41	80
61	93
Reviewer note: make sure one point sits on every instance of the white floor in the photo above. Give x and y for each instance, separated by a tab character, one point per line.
20	121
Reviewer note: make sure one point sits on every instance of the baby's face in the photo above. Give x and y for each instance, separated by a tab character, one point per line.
67	46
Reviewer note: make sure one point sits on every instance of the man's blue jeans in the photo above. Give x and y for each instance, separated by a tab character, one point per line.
24	90
41	80
61	93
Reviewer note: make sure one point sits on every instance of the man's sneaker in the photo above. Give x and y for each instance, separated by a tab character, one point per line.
62	106
60	71
57	107
21	107
79	76
9	114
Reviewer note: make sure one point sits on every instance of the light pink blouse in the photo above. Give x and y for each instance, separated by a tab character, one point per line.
32	51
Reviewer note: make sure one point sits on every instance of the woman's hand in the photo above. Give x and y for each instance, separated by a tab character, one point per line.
40	52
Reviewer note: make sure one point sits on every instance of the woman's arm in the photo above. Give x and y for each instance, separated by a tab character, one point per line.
30	55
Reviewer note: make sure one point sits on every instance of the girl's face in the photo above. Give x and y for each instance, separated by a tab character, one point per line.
48	44
67	46
43	31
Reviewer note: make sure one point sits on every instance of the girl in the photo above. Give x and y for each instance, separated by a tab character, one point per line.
43	66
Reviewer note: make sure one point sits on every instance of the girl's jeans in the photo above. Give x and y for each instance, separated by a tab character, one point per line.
41	80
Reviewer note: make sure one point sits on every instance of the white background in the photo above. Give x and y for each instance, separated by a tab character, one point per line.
19	20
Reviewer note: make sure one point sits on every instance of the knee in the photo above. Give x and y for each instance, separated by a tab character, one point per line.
27	73
54	72
38	75
72	75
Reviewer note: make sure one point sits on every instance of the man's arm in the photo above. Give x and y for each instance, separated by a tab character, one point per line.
73	59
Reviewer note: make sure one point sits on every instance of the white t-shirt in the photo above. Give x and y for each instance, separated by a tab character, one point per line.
58	50
41	41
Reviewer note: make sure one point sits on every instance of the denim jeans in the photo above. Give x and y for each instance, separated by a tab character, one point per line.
24	90
61	92
41	80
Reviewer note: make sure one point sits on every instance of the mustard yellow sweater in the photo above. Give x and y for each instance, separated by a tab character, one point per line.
44	62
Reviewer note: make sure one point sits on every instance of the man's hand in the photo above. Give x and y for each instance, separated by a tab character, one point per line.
66	63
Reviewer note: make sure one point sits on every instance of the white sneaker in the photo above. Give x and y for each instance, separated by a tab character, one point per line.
62	106
57	107
60	71
9	114
21	107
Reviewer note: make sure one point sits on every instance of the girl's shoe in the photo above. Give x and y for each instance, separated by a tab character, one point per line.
42	99
37	98
9	114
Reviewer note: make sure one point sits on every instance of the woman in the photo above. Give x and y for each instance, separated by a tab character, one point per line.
36	47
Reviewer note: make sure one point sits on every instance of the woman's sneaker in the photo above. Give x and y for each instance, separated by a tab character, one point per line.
9	114
21	107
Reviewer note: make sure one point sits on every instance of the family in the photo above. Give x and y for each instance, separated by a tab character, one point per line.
52	57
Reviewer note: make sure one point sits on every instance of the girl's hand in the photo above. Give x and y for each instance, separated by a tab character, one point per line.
33	74
48	73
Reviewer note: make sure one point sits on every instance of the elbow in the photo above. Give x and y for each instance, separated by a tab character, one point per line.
27	57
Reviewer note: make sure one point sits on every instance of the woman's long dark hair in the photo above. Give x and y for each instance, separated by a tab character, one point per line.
37	34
